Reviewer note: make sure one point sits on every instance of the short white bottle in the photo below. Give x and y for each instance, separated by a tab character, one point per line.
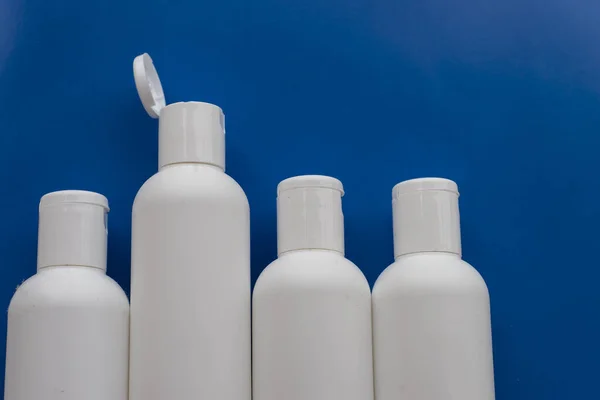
190	260
311	307
431	310
68	325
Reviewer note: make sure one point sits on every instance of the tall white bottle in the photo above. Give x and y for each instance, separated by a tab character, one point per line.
190	260
431	310
311	307
68	325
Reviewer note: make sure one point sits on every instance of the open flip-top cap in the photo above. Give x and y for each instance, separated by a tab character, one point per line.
148	85
188	131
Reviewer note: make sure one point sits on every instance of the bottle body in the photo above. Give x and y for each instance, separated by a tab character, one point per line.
190	287
68	337
431	330
312	329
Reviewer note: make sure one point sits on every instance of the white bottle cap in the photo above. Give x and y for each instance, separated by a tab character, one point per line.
189	132
309	214
72	229
426	216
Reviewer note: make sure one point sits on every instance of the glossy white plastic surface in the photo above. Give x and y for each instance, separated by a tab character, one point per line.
190	261
312	307
431	310
68	325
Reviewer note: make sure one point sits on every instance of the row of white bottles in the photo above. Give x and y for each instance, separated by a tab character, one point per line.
68	324
312	307
317	333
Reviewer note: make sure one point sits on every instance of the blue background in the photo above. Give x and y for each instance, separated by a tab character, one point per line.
503	97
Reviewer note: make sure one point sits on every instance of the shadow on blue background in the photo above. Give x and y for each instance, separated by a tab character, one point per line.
503	97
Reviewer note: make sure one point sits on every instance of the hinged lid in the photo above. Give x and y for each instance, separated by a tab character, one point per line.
148	85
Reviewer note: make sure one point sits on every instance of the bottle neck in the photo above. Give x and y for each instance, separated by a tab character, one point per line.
191	164
72	234
191	132
426	221
310	218
79	267
428	253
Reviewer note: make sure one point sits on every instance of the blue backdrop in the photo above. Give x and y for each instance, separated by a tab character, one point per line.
503	97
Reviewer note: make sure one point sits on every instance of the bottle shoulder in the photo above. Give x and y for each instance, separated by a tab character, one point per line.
190	181
69	287
429	270
312	268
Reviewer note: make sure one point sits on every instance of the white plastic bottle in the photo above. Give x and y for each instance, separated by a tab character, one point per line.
190	261
431	310
68	325
311	307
